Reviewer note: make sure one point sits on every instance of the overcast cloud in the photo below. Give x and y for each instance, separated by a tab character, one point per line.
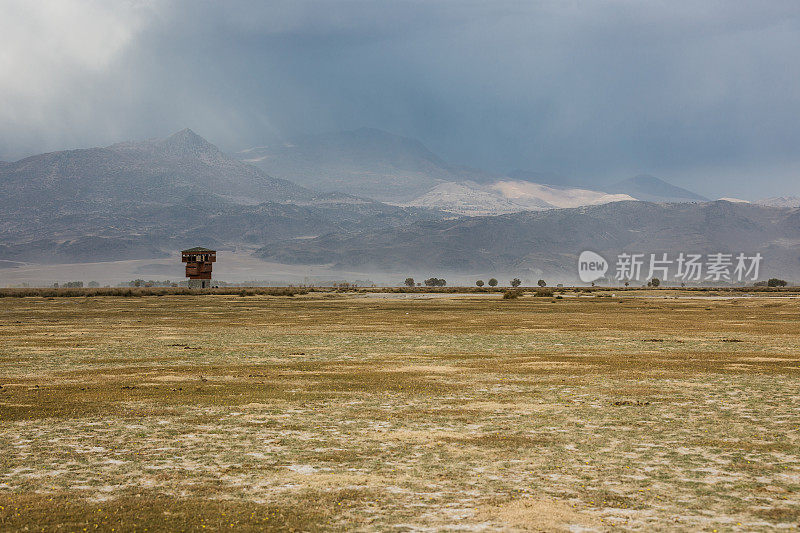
705	94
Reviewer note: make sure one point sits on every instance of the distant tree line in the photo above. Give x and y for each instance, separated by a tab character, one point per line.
430	282
76	285
516	282
440	282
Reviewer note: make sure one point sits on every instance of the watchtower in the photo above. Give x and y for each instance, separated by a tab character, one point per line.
198	266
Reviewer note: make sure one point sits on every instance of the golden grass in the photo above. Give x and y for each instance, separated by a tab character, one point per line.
215	412
144	510
533	514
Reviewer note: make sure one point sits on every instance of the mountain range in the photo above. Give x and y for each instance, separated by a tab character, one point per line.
138	199
402	171
548	242
364	200
158	172
781	201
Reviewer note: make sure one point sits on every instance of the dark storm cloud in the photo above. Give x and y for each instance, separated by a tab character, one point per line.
705	94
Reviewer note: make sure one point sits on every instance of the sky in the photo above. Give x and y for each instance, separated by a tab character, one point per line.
703	94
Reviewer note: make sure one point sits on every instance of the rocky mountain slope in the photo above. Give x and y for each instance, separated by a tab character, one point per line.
138	199
508	196
549	242
161	171
781	201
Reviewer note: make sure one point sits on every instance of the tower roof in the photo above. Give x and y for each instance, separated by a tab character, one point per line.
197	249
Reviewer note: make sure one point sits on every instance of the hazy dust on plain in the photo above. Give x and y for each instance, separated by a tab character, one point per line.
333	412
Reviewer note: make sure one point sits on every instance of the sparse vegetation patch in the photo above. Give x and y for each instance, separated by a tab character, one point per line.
218	412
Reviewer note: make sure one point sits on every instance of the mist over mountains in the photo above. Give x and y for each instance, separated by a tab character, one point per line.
365	162
362	200
159	172
402	171
143	199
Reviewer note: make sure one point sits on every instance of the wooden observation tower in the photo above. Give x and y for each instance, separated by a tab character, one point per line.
198	266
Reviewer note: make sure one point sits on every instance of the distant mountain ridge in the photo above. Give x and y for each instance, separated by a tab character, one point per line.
147	198
549	242
365	162
156	194
400	170
651	189
158	171
781	201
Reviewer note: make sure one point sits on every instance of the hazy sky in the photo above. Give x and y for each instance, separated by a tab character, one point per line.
705	94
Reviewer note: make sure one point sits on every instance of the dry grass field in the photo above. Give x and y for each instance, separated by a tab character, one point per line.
343	412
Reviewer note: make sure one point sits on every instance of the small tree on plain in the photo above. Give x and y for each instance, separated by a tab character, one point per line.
479	283
655	282
775	282
541	283
516	282
493	282
409	282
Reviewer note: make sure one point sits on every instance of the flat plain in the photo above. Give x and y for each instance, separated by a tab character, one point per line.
342	412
